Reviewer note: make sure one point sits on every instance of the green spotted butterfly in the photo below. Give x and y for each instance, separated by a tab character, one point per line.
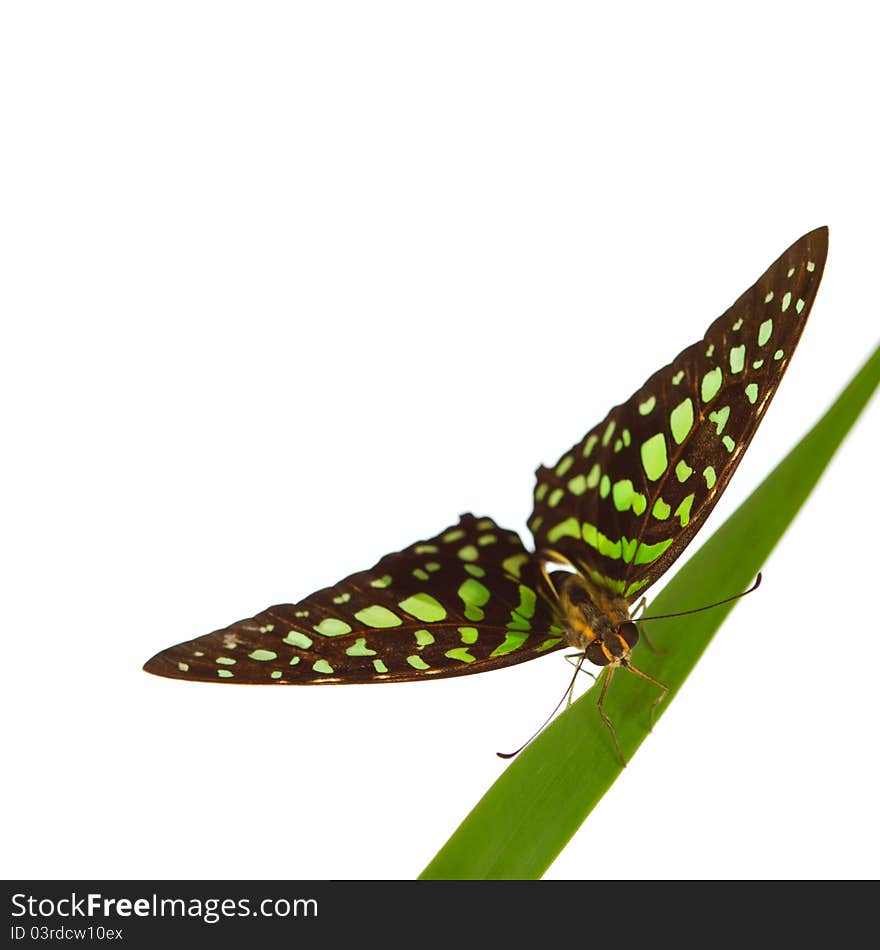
617	510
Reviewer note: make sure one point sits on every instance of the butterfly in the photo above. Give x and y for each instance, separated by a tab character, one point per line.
611	516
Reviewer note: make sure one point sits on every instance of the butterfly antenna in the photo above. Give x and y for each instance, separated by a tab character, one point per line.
697	610
510	755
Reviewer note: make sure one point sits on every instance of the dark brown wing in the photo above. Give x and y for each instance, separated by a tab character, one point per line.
470	599
625	501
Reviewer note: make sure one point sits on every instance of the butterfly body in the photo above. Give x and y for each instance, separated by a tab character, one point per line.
596	623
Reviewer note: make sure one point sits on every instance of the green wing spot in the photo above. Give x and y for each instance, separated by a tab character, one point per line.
226	660
625	497
681	420
263	655
468	553
627	437
720	417
711	384
486	524
710	350
683	512
578	485
765	331
628	549
486	539
379	666
650	552
417	663
513	564
183	667
548	644
757	364
768	297
473	592
737	358
618	444
811	266
786	301
683	471
432	566
460	653
294	661
269	627
679	376
603	544
593	477
729	444
634	587
527	599
426	549
331	627
424	638
647	407
570	528
606	438
297	639
322	666
381	582
589	445
778	355
512	641
654	460
423	607
737	325
475	570
469	635
378	616
709	475
451	536
661	511
752	393
555	497
360	648
604	486
474	595
518	623
541	491
419	574
225	674
564	465
276	674
799	306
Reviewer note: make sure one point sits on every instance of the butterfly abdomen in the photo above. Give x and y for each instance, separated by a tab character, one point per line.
594	620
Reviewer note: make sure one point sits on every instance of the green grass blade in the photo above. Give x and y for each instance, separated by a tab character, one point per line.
525	819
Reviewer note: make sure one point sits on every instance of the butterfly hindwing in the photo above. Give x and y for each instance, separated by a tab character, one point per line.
623	503
468	600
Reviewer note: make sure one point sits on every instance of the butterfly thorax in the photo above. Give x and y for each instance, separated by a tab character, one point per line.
596	621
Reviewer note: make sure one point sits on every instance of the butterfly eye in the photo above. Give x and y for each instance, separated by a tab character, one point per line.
630	632
596	655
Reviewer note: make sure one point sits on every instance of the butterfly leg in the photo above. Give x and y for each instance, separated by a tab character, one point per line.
650	643
650	679
576	660
609	673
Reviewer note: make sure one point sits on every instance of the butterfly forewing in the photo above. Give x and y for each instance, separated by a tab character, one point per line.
470	599
624	502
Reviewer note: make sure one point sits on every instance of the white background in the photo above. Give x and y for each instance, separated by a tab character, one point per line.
288	286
